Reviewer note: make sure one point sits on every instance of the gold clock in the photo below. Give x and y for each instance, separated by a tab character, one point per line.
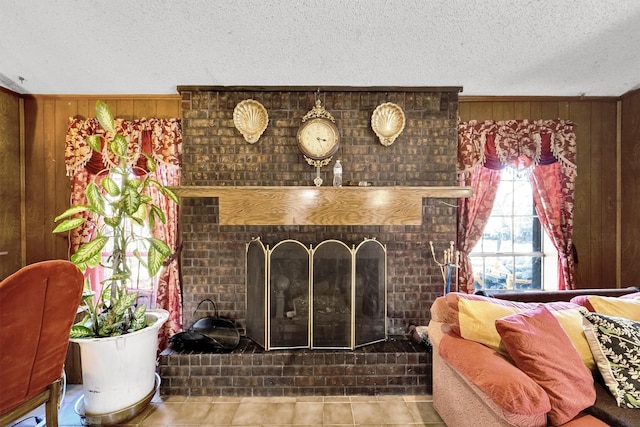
318	138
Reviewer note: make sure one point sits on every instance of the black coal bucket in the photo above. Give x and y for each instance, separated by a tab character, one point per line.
208	334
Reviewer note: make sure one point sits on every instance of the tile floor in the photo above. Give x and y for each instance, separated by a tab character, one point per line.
365	411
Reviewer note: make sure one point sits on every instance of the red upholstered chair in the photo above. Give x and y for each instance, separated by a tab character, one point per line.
38	305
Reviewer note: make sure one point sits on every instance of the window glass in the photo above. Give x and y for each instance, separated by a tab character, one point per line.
512	251
140	280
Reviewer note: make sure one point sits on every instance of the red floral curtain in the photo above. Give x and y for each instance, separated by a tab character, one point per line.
160	138
546	149
552	194
473	214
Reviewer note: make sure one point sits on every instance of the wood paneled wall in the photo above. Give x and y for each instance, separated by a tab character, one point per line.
48	188
595	209
630	188
10	184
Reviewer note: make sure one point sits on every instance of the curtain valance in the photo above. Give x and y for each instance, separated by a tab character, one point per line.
159	138
517	143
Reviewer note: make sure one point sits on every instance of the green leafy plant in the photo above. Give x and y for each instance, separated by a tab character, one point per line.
116	201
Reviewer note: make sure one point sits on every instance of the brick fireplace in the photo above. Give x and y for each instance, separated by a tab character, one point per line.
216	154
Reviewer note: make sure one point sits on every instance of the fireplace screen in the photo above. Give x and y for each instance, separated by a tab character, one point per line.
330	296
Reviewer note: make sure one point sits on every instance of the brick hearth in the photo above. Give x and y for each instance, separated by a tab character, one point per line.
395	367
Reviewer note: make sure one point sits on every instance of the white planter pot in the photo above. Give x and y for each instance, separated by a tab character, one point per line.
118	372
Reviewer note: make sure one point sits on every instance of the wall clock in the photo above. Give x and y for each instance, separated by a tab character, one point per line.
318	138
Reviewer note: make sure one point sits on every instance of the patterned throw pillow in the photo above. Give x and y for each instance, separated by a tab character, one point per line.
615	344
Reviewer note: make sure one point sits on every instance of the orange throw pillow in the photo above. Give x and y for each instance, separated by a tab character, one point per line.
503	383
542	349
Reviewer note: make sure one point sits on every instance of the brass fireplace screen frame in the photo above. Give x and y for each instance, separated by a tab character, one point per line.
329	296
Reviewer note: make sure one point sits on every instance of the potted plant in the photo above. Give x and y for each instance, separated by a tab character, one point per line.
116	330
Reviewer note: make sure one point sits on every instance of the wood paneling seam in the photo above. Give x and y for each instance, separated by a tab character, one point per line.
23	189
619	194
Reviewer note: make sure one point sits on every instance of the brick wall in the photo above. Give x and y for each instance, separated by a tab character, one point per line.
215	153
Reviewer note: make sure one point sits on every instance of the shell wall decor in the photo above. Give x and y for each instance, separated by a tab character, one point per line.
387	121
251	119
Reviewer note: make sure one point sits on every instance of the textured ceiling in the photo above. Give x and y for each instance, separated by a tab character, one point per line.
489	47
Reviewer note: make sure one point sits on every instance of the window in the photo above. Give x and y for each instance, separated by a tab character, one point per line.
140	281
514	252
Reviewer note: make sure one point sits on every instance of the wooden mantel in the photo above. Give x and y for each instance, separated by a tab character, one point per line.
294	205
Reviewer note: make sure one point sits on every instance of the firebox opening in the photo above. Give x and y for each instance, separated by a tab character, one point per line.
329	297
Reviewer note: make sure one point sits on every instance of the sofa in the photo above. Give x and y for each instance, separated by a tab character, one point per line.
532	358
